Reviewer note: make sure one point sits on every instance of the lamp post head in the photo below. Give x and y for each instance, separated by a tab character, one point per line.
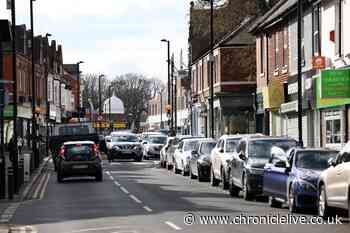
165	40
80	62
48	35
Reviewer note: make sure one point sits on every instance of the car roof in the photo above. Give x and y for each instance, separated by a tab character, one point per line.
158	135
203	140
316	149
256	138
235	136
122	133
191	139
78	142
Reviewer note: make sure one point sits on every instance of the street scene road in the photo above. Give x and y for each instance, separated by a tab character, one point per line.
142	197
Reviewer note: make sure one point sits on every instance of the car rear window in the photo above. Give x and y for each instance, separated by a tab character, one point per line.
78	151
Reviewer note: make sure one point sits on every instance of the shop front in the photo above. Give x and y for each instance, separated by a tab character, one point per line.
332	100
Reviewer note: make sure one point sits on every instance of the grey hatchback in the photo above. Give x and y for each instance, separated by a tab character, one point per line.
81	158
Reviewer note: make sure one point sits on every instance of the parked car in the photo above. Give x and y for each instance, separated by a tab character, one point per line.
125	146
164	151
334	184
146	135
170	152
247	164
292	177
200	159
220	156
182	155
79	158
153	145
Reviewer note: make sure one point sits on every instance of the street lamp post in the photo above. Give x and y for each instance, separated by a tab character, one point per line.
211	68
171	125
14	78
79	100
47	99
34	128
100	96
300	103
110	106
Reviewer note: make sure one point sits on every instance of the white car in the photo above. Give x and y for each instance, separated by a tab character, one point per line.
153	145
334	184
182	155
164	150
221	154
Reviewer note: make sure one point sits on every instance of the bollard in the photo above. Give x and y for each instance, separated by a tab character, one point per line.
10	182
2	178
20	172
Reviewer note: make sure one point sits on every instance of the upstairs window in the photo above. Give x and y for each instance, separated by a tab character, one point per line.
316	35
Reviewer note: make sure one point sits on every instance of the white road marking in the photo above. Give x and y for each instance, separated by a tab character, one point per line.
44	187
172	225
135	199
37	190
95	229
111	177
147	209
108	173
117	183
124	190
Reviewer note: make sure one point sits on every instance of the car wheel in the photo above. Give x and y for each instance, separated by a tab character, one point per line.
274	203
234	191
191	174
183	171
225	184
323	209
168	166
138	159
291	201
59	177
99	176
245	189
214	182
176	170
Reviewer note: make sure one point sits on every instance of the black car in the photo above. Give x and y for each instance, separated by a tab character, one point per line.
200	160
247	165
81	158
125	146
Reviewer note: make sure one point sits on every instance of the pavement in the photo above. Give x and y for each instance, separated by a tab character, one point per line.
139	198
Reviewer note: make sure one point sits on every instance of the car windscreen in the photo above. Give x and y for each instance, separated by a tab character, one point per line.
207	147
315	160
78	152
262	148
157	140
73	130
231	145
190	146
124	138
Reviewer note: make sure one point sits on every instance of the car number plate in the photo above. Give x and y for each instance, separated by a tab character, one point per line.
80	166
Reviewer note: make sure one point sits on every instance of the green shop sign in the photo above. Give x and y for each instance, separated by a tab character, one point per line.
335	84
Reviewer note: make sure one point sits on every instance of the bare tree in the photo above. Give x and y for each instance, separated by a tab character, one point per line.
135	90
90	90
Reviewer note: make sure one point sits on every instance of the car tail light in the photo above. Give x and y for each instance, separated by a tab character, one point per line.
61	154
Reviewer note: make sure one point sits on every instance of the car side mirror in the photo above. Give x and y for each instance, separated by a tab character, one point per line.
194	153
242	156
281	164
331	162
221	150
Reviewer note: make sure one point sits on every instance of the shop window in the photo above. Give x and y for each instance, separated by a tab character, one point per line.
333	131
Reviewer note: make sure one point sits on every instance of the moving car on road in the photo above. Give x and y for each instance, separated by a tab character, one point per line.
292	177
200	159
247	165
182	155
79	159
334	184
125	146
153	145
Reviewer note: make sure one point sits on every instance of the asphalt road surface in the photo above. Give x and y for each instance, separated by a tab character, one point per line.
141	198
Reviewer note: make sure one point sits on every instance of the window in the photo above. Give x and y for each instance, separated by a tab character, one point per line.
316	19
285	47
262	54
345	158
275	42
333	129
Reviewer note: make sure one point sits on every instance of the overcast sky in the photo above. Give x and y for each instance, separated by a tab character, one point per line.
111	36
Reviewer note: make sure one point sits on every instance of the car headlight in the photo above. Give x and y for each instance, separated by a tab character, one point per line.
137	148
306	186
116	147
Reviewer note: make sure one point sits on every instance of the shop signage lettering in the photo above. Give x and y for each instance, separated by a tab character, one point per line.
335	84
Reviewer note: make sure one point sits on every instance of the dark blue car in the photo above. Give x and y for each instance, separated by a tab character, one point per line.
292	177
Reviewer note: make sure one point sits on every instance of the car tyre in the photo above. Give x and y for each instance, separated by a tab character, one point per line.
168	166
234	191
176	170
245	189
99	176
183	171
323	209
274	203
138	159
291	201
193	177
213	181
225	184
